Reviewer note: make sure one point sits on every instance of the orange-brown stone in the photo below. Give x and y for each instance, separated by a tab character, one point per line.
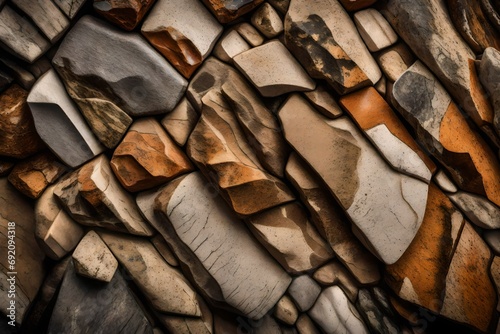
125	14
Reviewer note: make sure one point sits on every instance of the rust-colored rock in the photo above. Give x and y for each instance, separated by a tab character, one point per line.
147	157
125	14
229	10
18	137
33	175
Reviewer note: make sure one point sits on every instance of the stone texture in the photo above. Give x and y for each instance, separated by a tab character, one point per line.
492	238
444	182
353	5
362	182
180	122
93	259
6	167
288	235
20	75
387	133
216	250
489	74
56	232
18	137
376	320
305	325
259	125
445	133
125	14
218	147
490	10
304	291
229	10
324	102
93	197
164	286
468	18
286	311
324	39
124	75
479	210
183	31
267	21
47	17
19	37
70	7
334	313
376	32
273	70
394	60
162	247
229	46
335	273
28	265
97	307
33	175
188	325
147	157
331	222
250	34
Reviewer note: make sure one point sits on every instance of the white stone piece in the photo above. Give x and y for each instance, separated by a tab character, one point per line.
230	46
478	209
374	29
444	182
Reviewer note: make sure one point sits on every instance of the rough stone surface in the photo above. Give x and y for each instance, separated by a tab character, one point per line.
59	122
216	249
304	292
366	194
335	273
273	70
125	14
93	197
218	147
394	60
479	210
229	46
93	259
147	157
376	32
324	102
229	10
489	74
180	122
324	39
267	21
70	7
18	137
183	31
250	34
288	235
286	311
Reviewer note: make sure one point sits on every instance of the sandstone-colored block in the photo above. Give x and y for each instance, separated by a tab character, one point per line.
180	122
267	21
376	32
229	46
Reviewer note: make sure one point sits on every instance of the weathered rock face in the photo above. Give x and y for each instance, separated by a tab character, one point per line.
374	29
219	148
216	250
394	60
324	39
479	210
362	182
334	273
142	84
444	132
125	14
229	46
183	31
147	157
180	122
229	10
304	292
17	223
267	21
18	137
96	306
93	197
489	74
70	7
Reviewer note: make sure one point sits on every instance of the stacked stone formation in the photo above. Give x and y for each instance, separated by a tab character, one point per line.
285	166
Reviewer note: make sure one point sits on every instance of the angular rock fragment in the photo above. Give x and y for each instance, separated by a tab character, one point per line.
56	232
47	17
59	122
286	311
267	21
147	157
374	29
19	37
468	18
324	102
305	325
250	34
259	125
96	306
93	259
280	5
216	250
33	175
125	14
304	292
229	46
70	7
489	74
162	246
479	210
180	122
229	10
444	182
288	235
331	222
335	273
353	5
324	39
183	31
334	313
394	60
125	75
93	197
490	9
362	182
445	133
17	223
273	70
218	147
387	133
18	137
164	286
376	320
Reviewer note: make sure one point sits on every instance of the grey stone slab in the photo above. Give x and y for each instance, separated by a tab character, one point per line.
70	7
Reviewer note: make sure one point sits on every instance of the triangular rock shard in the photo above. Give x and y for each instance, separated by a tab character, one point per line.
221	256
385	206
